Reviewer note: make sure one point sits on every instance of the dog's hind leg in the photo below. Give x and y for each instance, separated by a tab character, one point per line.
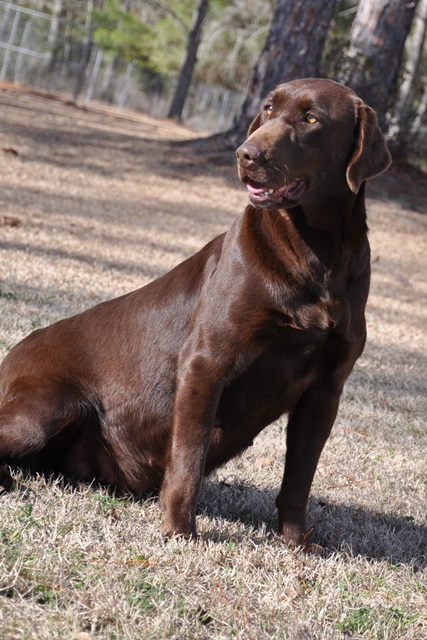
31	413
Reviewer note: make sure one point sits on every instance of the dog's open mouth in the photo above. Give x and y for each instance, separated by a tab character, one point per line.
288	194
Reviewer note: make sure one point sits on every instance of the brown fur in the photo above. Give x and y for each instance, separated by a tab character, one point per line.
155	389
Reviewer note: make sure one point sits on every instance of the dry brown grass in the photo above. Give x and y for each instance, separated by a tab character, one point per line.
105	204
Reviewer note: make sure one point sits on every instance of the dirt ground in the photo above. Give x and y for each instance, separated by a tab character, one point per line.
97	202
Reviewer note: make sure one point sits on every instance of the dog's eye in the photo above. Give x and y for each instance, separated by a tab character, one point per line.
310	118
268	109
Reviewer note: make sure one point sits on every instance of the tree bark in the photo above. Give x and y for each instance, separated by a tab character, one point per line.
421	111
293	49
403	123
186	73
374	57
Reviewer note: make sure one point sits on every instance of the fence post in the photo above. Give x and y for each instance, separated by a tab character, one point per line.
224	107
94	76
124	89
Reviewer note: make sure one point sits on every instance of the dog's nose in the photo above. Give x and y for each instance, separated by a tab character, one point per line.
249	154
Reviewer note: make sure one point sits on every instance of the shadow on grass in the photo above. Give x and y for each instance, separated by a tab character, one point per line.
73	146
349	529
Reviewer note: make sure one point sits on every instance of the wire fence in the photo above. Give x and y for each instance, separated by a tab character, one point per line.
52	55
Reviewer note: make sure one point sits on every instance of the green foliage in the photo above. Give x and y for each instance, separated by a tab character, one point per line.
157	36
122	33
369	621
357	620
144	594
8	295
108	503
44	594
170	31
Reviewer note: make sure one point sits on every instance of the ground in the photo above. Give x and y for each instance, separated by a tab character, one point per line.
97	202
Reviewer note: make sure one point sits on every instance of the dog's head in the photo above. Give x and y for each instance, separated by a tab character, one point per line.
312	137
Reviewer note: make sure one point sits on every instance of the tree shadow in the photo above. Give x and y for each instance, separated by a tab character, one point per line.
58	142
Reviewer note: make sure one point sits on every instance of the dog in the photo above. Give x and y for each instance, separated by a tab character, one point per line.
155	389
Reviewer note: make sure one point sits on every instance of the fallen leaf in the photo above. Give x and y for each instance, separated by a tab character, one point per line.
9	221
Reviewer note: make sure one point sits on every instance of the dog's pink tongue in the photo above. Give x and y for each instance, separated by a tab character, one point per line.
255	187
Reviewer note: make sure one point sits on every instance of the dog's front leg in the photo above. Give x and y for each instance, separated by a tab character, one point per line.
196	400
309	426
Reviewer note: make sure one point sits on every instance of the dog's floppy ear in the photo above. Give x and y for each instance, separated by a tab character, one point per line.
255	124
370	156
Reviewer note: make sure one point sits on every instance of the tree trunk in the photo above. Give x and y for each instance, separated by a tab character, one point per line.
54	24
187	68
374	57
421	111
293	49
410	85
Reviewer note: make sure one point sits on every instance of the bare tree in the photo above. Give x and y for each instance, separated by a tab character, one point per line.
187	68
374	57
293	49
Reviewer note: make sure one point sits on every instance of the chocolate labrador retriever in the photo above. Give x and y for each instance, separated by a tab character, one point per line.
157	388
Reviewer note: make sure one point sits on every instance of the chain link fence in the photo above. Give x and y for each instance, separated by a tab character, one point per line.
57	57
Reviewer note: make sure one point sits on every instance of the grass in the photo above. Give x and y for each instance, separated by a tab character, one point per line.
82	563
83	559
111	574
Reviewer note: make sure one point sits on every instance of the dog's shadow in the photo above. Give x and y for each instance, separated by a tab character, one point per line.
350	529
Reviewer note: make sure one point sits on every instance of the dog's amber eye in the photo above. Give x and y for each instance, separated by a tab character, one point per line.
310	118
268	110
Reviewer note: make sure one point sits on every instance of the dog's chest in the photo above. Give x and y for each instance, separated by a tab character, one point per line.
314	319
